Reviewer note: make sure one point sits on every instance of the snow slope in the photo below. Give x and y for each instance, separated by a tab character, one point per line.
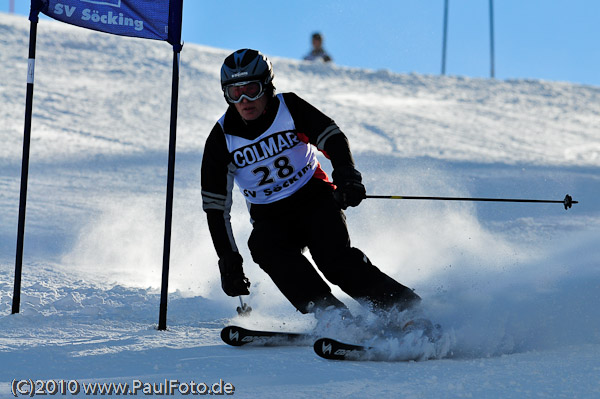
517	284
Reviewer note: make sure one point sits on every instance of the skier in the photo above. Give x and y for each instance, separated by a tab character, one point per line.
317	53
266	143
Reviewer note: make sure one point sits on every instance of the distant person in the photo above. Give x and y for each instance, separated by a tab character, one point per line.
318	53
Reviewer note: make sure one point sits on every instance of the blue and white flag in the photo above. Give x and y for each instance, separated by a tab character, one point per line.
149	19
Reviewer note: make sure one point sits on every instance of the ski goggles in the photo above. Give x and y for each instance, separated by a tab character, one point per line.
251	91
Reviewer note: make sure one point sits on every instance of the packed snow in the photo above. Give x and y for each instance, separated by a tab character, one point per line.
516	285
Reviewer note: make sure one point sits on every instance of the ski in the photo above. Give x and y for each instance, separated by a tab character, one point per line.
332	349
419	340
238	336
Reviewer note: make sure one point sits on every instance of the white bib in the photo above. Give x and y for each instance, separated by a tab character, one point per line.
276	164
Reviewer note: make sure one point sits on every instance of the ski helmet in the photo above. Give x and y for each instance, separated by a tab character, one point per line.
247	65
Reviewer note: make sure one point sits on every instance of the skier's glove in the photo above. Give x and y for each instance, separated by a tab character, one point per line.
350	191
233	280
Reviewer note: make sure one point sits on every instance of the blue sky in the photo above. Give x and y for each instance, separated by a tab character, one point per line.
556	40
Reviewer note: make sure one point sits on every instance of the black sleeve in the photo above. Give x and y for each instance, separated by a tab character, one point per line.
219	232
320	130
338	150
217	184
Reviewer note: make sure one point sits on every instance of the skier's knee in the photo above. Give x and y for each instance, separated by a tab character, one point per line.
260	252
350	264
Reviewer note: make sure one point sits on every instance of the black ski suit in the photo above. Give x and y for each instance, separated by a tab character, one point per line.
307	217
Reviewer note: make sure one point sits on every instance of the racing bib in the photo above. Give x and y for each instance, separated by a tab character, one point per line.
274	165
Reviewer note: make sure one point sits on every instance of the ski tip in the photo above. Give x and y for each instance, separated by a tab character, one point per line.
332	349
324	348
231	335
238	336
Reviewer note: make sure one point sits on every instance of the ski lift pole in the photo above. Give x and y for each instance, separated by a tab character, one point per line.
567	202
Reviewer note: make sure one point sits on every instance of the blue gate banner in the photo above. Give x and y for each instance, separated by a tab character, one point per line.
149	19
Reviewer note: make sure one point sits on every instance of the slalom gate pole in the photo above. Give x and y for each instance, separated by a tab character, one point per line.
567	202
16	303
164	291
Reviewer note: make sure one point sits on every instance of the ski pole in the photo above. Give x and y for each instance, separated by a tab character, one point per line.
567	202
243	309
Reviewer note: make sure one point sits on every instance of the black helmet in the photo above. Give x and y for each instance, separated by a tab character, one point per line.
246	65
